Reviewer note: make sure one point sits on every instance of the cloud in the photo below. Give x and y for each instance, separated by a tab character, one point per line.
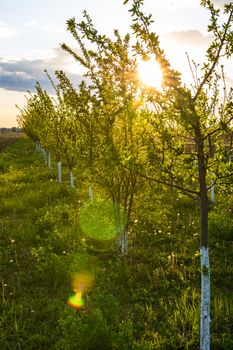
32	23
22	74
174	4
7	31
188	38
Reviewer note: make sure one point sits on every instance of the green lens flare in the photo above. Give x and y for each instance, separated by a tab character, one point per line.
76	301
102	220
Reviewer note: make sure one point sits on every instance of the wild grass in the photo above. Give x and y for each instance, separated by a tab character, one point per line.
149	299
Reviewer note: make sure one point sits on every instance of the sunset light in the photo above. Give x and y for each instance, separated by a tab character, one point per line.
150	73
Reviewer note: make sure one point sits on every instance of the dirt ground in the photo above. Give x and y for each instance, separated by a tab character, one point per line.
7	138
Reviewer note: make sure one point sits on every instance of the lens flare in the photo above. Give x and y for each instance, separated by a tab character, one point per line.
76	301
101	219
81	284
83	281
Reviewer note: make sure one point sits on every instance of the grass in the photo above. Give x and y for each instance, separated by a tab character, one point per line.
146	300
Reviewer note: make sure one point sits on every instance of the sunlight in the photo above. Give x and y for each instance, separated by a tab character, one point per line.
150	73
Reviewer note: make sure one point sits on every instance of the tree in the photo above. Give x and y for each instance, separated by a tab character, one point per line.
113	88
182	115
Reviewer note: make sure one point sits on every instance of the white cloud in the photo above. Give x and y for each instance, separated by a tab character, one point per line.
32	23
188	38
7	31
174	4
47	26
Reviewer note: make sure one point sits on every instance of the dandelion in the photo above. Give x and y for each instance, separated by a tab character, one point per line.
12	241
135	221
11	261
159	231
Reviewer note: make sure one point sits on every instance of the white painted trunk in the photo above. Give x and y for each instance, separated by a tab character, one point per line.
205	300
212	191
71	179
122	241
59	171
124	246
49	160
90	193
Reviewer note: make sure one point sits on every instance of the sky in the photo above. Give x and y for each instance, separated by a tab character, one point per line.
31	33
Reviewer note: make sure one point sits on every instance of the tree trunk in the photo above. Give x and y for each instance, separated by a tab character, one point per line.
49	160
212	192
90	193
205	300
205	267
59	179
71	179
122	229
59	171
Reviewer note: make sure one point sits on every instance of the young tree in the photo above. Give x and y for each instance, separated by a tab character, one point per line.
182	115
113	87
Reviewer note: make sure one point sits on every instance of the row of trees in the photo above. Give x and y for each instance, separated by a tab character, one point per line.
121	133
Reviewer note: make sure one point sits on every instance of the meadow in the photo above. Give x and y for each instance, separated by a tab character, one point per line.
147	299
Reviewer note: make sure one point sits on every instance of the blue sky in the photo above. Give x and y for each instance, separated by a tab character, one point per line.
31	32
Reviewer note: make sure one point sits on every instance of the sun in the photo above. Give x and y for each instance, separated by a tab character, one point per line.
150	73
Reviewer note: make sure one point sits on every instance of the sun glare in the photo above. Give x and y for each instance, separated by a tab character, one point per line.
150	73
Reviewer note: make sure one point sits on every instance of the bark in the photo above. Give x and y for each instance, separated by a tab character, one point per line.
59	171
122	230
71	179
205	275
212	192
49	160
125	241
122	240
90	193
205	300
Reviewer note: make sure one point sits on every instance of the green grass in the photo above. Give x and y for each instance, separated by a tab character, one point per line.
148	299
